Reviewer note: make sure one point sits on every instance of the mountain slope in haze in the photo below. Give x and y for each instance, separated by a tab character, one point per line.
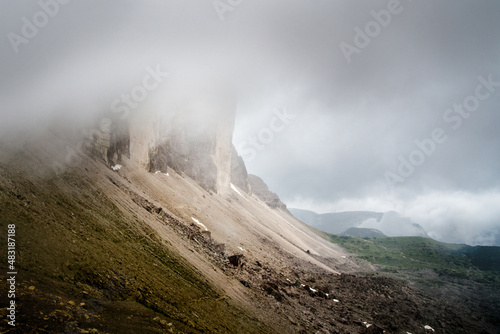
363	233
336	222
113	244
91	242
260	189
125	250
389	223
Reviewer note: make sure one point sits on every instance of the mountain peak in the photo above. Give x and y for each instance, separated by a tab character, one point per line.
389	223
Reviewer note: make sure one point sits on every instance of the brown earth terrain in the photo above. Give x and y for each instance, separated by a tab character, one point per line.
128	251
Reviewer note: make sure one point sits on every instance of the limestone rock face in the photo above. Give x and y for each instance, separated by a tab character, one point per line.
239	174
223	152
260	189
193	136
143	139
109	140
191	156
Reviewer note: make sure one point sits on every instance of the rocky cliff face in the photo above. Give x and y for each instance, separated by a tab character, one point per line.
108	140
239	174
260	189
128	251
193	137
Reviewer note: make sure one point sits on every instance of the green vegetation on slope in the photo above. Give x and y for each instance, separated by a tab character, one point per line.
74	243
415	253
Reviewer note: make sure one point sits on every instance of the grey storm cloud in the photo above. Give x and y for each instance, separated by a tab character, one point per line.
355	113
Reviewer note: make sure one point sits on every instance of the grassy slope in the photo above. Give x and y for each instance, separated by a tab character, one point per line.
75	245
414	253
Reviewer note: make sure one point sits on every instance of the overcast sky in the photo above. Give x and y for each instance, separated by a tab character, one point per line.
332	95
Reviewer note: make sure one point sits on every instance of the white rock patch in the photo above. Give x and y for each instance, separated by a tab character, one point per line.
237	191
198	222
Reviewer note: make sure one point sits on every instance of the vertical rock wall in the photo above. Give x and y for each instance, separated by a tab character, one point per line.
239	174
192	136
142	138
223	150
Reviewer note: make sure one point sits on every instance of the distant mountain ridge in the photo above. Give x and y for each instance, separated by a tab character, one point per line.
388	223
336	222
363	233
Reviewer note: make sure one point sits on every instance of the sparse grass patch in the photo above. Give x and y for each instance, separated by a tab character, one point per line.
481	264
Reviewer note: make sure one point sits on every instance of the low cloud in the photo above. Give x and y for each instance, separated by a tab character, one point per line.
460	217
456	217
353	120
393	224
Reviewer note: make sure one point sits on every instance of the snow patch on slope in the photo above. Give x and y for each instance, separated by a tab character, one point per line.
198	222
235	189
